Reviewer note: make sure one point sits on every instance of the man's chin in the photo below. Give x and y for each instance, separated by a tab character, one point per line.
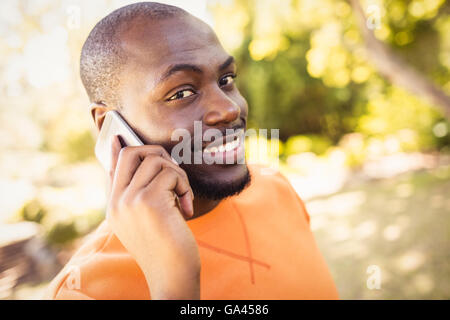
217	182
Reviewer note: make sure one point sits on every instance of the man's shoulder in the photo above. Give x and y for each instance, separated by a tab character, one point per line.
100	269
265	176
271	186
267	180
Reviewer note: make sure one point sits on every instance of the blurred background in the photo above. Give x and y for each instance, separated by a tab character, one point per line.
358	89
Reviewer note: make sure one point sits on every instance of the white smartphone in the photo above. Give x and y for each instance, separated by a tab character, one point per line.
113	125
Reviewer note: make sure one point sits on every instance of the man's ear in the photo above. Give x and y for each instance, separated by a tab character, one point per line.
98	112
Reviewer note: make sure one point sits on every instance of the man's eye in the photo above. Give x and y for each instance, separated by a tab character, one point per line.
227	79
181	94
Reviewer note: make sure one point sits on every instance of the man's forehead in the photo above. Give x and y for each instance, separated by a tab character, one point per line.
174	40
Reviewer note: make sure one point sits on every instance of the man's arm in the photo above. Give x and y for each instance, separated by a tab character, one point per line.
144	214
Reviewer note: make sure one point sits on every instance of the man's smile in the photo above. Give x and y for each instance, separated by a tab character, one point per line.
232	152
224	149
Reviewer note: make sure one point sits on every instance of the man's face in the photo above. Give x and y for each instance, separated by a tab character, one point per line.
155	102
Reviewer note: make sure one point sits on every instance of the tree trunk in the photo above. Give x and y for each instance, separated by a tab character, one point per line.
396	70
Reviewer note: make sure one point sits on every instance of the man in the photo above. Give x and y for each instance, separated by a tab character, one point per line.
163	69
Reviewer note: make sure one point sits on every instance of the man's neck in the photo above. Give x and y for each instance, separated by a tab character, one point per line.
203	206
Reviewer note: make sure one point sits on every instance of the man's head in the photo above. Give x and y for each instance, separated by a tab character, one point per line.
163	69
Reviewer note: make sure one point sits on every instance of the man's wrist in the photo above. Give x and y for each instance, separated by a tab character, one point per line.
185	286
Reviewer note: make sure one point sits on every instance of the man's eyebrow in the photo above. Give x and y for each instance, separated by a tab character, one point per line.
179	67
227	62
191	67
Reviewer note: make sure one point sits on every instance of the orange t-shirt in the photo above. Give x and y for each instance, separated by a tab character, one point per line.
256	245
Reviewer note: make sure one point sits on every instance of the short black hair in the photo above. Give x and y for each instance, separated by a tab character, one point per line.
102	57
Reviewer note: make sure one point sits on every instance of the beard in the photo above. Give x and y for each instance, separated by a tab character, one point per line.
206	186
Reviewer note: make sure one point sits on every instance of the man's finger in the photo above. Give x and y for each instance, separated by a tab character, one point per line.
130	159
115	150
170	180
149	168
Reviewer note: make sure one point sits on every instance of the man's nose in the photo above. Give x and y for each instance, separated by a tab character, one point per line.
220	108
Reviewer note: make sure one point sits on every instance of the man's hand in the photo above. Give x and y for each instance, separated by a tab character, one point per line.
144	213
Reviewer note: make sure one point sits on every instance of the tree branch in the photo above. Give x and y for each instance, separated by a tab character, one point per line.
396	70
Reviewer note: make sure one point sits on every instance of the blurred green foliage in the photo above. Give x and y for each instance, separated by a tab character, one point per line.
62	232
33	211
303	67
307	143
59	230
79	146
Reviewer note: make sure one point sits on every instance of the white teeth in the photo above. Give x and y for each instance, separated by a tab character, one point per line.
229	146
224	148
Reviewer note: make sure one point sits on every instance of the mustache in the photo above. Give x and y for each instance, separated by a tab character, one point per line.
234	128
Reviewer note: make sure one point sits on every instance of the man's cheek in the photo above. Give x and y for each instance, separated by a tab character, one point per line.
156	136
